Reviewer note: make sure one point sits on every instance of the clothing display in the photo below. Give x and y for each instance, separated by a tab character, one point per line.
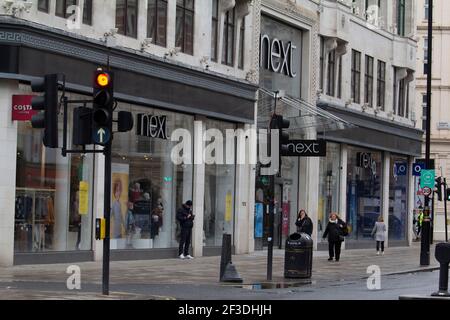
34	220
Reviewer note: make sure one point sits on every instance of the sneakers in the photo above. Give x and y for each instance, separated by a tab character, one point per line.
378	253
382	253
189	257
330	259
181	256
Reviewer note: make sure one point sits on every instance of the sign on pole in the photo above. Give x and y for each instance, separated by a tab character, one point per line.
427	179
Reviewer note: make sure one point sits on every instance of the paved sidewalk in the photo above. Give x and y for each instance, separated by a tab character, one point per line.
205	271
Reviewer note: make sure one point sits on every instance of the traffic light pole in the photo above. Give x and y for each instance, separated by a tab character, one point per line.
271	209
445	210
425	236
107	215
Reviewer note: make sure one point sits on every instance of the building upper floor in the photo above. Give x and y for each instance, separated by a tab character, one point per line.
441	18
368	57
210	35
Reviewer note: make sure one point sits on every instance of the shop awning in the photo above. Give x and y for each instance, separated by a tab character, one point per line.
304	116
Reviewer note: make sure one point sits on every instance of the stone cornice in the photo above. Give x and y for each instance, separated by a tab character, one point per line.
16	32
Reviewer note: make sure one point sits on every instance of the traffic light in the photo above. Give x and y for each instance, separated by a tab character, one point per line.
103	99
82	126
447	194
47	104
438	188
278	122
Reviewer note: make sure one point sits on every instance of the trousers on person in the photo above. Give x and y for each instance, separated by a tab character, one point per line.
380	243
185	241
334	249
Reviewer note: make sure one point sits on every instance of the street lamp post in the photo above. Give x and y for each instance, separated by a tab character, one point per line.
425	236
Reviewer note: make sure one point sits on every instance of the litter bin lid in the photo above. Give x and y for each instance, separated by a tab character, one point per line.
302	239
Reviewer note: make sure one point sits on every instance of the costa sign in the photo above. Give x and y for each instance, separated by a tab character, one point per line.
21	108
277	56
151	126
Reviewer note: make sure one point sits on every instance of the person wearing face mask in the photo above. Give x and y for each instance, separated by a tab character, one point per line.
336	231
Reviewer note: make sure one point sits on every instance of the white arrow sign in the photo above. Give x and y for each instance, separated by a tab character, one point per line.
101	133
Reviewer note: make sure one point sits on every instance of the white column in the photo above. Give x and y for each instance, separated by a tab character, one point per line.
243	212
61	202
142	20
171	23
199	189
98	202
309	188
411	203
385	190
343	185
8	158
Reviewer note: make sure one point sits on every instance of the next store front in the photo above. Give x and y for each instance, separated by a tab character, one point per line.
55	200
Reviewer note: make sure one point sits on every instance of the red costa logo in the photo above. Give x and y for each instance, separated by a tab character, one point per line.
21	108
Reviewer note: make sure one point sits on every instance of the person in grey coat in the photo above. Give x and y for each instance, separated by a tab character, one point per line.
379	230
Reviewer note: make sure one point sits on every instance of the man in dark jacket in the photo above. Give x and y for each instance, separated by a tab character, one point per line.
336	231
186	220
304	223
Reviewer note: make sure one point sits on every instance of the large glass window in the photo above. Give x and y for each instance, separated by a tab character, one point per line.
87	12
126	17
53	209
368	81
241	44
62	6
331	74
398	198
43	5
356	76
219	188
381	84
184	38
401	9
329	178
157	21
214	29
147	187
228	38
364	191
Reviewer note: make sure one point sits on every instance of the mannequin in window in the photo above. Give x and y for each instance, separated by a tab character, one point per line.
116	209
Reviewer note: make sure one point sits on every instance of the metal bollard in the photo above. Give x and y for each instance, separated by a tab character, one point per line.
228	272
442	255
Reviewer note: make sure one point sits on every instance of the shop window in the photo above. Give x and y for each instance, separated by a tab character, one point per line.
53	205
157	21
219	198
184	31
329	181
147	187
398	198
62	6
126	17
364	192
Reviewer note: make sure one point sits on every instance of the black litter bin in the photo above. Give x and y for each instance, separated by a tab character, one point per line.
298	256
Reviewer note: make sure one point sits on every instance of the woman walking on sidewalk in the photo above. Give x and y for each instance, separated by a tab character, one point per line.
336	231
379	230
